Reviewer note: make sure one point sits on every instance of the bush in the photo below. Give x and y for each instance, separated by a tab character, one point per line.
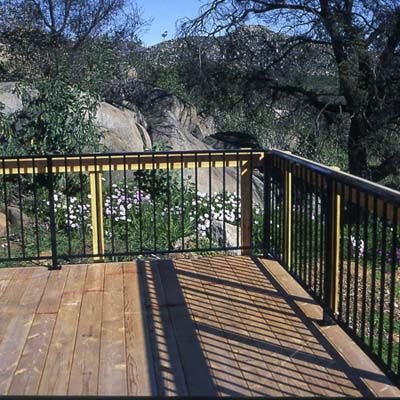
56	119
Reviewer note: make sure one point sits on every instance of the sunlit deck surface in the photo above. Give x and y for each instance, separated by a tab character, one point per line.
206	326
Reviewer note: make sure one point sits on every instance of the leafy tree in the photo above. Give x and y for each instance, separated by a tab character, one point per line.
56	118
358	88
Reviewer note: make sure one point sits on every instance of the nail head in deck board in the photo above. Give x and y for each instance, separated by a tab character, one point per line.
139	363
50	302
57	369
85	364
30	367
112	373
167	364
18	328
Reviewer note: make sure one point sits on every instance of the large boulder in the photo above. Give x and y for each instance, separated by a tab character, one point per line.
9	98
121	129
170	119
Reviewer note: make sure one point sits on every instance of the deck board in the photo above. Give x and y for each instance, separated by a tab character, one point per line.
84	375
139	363
56	373
227	326
112	374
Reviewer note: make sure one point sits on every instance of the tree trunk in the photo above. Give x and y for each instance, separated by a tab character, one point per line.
356	147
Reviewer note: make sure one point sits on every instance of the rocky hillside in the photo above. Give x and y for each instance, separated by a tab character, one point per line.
249	46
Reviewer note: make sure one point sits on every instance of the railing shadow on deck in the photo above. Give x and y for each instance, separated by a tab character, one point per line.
207	337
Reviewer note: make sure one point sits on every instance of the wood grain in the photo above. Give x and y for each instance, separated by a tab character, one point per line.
85	366
140	367
112	374
19	325
56	373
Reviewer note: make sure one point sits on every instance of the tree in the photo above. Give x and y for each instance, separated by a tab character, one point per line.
37	36
56	118
361	38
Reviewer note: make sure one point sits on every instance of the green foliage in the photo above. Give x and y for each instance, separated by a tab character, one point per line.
56	118
159	181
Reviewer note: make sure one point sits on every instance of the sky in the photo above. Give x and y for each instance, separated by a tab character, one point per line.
165	13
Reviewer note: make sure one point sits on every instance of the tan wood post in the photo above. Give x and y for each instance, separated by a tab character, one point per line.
246	206
335	254
335	247
96	193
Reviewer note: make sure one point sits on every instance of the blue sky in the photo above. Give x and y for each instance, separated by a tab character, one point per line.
165	13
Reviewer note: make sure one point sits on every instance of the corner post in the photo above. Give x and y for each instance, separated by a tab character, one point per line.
96	200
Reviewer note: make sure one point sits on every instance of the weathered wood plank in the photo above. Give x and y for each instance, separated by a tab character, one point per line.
235	324
6	275
85	365
287	371
50	302
140	366
30	367
229	379
196	370
13	344
112	374
55	378
167	364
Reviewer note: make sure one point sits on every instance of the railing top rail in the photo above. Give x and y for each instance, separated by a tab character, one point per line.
391	195
131	153
101	162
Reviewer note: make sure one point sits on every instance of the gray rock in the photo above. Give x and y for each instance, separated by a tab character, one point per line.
14	220
14	216
9	98
121	130
217	232
232	239
3	225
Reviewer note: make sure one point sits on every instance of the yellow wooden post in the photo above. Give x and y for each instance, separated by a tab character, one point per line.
288	204
96	193
334	248
246	207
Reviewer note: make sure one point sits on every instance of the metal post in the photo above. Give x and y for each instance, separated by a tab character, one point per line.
288	218
53	232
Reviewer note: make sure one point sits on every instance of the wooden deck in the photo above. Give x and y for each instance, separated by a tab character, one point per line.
209	326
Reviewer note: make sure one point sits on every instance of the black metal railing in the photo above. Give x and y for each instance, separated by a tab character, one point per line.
112	206
337	234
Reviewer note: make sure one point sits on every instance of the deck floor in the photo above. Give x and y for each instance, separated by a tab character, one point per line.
208	326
